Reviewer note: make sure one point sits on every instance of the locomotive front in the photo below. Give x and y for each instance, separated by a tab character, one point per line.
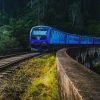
39	37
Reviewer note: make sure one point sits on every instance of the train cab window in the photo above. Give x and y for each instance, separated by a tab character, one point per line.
39	34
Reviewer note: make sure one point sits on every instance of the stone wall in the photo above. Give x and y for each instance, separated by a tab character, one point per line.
75	81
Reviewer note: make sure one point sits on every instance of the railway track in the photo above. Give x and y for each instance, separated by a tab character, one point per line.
8	65
12	55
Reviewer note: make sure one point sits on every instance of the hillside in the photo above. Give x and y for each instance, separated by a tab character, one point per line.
74	16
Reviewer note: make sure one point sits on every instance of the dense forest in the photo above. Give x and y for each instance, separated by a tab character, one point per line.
18	16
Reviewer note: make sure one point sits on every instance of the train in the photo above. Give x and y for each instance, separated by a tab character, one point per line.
49	37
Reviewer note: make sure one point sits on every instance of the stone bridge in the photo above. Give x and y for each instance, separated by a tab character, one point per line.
77	82
86	56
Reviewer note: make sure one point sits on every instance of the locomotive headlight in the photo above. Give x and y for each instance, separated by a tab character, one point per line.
44	43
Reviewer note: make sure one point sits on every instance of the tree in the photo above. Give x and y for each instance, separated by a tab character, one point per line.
75	16
7	41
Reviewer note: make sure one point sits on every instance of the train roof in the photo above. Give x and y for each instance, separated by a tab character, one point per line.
43	26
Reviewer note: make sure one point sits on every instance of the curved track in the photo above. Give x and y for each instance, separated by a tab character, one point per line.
13	54
6	63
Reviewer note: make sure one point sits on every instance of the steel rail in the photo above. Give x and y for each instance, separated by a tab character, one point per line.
8	62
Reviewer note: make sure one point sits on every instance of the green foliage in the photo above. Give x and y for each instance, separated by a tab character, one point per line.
94	29
44	85
7	41
3	18
22	26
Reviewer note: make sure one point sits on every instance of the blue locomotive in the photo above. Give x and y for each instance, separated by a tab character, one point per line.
45	36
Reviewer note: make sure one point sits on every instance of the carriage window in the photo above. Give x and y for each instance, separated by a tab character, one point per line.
51	34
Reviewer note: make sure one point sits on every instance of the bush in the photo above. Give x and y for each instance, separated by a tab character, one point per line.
7	41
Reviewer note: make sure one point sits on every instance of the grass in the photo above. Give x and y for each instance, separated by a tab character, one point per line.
35	80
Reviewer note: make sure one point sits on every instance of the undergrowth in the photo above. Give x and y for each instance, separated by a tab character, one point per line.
35	80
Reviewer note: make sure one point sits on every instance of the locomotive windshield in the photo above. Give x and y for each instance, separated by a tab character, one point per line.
39	34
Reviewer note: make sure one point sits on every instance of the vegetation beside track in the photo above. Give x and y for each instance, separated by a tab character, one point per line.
35	80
